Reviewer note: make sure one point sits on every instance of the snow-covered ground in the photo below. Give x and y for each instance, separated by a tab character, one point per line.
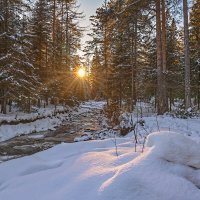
190	126
168	169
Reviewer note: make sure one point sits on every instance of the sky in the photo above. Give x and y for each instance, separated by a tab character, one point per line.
89	8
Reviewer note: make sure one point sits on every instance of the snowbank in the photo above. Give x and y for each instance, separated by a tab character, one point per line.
17	117
15	124
188	127
45	119
93	104
175	148
49	123
168	169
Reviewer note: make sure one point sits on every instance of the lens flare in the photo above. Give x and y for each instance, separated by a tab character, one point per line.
81	72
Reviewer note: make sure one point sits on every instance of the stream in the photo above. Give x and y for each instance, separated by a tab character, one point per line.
88	120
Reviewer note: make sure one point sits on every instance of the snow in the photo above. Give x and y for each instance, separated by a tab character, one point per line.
96	135
85	137
93	104
168	169
49	123
44	119
39	113
189	127
175	148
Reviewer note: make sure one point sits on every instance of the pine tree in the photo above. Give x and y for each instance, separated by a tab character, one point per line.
100	42
96	75
57	39
17	78
195	48
174	65
71	33
161	57
187	56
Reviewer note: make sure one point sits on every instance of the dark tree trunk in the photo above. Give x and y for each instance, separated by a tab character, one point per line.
10	105
198	93
4	102
134	63
187	56
39	103
161	63
105	56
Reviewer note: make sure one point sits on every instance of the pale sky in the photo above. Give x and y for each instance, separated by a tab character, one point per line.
89	8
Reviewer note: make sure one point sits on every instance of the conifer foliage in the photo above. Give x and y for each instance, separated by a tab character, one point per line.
17	79
141	46
38	51
140	50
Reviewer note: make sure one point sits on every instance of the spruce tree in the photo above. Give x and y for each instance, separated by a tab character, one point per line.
17	78
195	49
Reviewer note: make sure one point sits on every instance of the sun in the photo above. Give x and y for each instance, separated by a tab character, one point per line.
81	72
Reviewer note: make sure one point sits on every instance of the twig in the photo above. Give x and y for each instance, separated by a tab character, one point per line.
143	145
157	123
134	131
145	138
115	142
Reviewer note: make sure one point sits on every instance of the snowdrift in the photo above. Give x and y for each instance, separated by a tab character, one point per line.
168	169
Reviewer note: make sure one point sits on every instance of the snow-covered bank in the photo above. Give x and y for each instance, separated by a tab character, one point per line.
40	113
49	123
45	119
91	170
189	127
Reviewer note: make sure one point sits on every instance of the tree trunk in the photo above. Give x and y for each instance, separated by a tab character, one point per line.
161	58
29	105
53	35
187	56
198	89
4	110
134	63
4	102
164	51
164	58
39	103
10	105
105	55
68	62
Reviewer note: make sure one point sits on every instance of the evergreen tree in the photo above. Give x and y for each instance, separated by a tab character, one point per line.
174	65
195	49
96	75
187	56
16	70
56	41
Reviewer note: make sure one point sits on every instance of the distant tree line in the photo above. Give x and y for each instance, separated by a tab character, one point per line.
38	52
145	49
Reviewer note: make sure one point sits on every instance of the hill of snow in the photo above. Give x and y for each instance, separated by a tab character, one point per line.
168	169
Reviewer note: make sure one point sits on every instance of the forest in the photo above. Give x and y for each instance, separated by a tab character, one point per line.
146	50
138	51
99	99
